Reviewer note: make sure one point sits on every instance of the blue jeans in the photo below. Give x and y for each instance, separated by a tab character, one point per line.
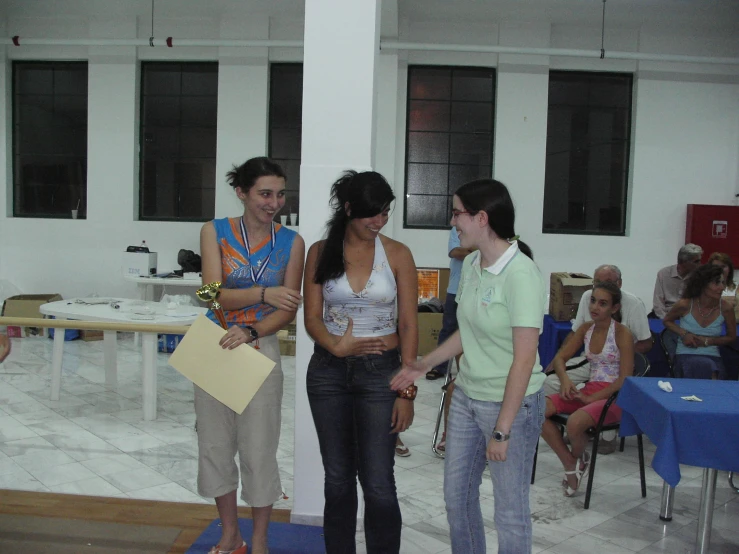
448	325
697	366
470	427
352	406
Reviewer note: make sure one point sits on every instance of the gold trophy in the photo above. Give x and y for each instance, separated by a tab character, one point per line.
209	293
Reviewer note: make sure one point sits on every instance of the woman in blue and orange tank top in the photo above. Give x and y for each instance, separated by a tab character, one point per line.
609	347
354	280
703	313
260	264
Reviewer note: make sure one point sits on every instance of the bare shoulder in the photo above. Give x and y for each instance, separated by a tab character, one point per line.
623	332
315	248
394	248
584	327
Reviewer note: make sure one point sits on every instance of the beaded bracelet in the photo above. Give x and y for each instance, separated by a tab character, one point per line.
264	289
408	393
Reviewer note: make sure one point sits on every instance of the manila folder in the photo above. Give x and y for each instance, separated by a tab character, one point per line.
230	376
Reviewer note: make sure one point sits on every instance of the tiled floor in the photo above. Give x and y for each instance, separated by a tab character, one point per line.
94	441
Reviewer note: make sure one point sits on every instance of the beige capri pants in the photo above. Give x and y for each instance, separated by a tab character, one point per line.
254	435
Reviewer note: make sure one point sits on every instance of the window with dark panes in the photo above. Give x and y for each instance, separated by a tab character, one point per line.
50	139
285	125
179	107
587	161
449	138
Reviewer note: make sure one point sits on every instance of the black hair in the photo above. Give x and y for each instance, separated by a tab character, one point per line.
615	292
368	194
245	175
492	197
700	278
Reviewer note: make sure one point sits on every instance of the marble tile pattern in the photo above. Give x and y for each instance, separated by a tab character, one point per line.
94	441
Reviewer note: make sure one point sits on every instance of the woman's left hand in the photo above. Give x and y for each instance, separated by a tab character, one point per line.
402	415
497	451
234	337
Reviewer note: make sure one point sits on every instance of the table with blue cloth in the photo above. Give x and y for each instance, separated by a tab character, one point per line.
703	434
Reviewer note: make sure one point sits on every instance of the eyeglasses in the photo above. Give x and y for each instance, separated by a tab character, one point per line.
457	213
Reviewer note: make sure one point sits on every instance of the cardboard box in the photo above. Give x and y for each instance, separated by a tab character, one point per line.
287	342
89	335
565	291
27	305
139	264
429	327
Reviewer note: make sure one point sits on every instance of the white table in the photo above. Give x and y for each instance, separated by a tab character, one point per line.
146	284
71	309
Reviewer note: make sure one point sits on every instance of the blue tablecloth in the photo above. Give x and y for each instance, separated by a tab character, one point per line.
703	434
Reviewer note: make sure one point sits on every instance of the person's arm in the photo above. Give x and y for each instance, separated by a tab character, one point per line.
406	280
281	297
727	309
678	310
4	347
625	344
275	321
583	309
571	346
658	300
525	342
346	345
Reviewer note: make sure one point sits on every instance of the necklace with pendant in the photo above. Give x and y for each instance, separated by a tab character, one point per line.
706	314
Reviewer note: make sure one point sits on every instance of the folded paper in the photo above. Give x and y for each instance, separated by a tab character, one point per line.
692	398
665	386
230	376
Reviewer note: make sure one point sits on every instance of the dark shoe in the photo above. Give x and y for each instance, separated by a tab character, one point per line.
435	374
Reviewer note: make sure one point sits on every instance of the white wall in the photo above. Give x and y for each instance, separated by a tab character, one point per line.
685	140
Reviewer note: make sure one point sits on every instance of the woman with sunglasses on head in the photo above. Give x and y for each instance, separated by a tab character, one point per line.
354	279
260	264
498	405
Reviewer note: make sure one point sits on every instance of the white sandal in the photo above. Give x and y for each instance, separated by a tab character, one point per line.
581	474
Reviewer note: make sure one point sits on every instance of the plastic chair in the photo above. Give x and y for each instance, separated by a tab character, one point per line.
641	368
439	417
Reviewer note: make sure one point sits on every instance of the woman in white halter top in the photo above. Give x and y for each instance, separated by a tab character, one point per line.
361	295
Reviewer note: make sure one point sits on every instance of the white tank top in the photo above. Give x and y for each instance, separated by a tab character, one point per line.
373	309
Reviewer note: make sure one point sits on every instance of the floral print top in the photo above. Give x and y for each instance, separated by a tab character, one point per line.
604	366
373	309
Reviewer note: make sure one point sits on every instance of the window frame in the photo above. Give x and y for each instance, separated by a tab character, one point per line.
627	157
290	178
449	133
15	155
142	126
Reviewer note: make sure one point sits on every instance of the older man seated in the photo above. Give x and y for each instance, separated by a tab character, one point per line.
671	279
633	316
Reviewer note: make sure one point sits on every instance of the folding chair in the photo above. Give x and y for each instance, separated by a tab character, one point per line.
641	367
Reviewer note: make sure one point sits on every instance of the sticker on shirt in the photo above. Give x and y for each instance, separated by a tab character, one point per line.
487	297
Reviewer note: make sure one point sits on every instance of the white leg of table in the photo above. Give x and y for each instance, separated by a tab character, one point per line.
110	358
668	501
144	291
56	363
705	514
149	376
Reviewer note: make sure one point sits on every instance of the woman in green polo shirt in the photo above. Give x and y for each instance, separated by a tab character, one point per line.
498	405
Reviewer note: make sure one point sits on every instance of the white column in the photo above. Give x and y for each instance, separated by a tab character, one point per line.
243	85
340	56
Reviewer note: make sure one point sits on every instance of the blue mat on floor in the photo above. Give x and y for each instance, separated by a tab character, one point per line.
284	538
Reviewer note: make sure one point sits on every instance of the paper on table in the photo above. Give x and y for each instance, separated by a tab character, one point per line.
230	376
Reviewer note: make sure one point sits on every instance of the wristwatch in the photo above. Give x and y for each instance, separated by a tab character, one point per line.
252	332
500	437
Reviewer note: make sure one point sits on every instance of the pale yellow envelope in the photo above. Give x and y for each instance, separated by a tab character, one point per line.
230	376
